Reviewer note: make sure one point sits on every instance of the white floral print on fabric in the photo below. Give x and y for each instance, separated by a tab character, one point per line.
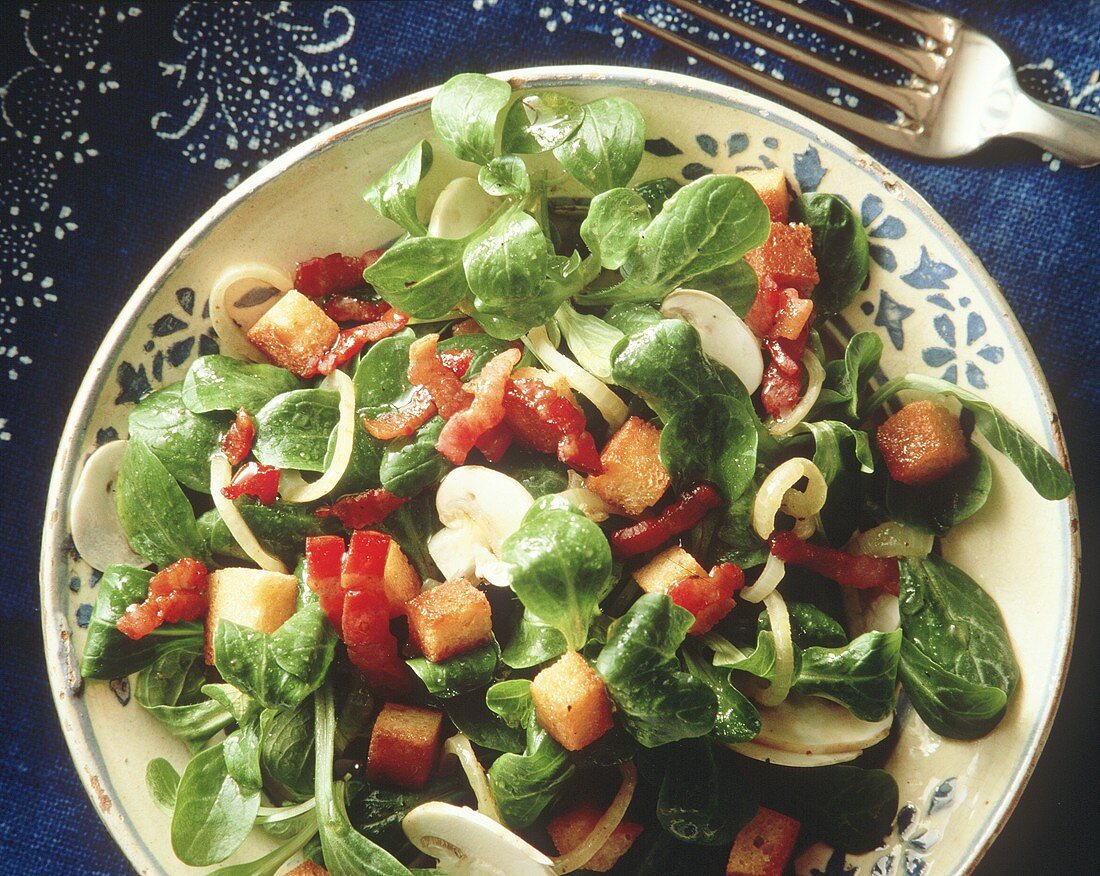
253	79
43	110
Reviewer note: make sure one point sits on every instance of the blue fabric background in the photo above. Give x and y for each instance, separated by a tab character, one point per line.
105	158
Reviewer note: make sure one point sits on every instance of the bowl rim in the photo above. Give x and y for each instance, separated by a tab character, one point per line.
64	689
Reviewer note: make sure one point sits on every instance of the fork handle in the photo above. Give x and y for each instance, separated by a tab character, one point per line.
1067	134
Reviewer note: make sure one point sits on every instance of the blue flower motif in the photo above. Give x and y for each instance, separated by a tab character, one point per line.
837	865
808	170
929	274
707	143
891	314
737	142
954	354
889	228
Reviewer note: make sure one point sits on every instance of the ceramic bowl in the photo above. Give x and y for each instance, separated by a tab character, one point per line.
935	307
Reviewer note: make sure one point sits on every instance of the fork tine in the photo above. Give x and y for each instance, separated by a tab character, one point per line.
927	65
940	27
913	102
894	136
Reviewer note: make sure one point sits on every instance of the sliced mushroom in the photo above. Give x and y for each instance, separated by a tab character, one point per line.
723	334
239	297
96	529
787	758
467	843
479	508
461	208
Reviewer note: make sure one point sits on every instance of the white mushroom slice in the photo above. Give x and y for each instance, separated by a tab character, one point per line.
723	334
479	508
97	532
461	208
294	487
467	843
811	725
239	297
787	758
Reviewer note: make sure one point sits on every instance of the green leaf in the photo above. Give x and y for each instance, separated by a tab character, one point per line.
394	193
846	378
829	437
951	499
471	716
840	248
162	782
740	541
532	643
1042	471
293	429
170	689
736	284
606	148
657	191
410	466
948	703
614	224
221	383
705	810
589	339
737	718
540	473
465	113
110	654
286	749
861	675
511	701
213	813
539	122
241	749
381	375
281	529
455	675
154	512
181	440
421	276
560	569
505	176
632	318
810	626
712	438
657	702
411	525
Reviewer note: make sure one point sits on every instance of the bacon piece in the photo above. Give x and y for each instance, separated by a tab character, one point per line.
463	428
350	341
427	370
237	443
405	420
344	308
324	563
372	647
549	422
458	361
360	510
708	597
765	308
333	273
176	593
256	480
848	570
651	532
494	443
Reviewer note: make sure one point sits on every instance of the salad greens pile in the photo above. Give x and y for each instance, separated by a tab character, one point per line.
785	701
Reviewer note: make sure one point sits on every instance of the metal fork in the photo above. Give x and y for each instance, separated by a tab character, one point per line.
960	93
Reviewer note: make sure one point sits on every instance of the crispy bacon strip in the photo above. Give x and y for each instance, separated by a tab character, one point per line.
651	532
848	570
549	422
405	420
463	428
360	510
344	308
708	597
334	273
176	593
428	370
237	443
350	341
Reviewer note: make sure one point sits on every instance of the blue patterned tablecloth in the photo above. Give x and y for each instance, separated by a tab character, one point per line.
121	123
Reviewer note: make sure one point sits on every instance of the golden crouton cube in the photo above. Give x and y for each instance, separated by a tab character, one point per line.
571	702
307	869
570	829
921	443
404	745
450	619
400	580
294	332
764	845
634	478
771	185
252	598
554	379
787	257
669	566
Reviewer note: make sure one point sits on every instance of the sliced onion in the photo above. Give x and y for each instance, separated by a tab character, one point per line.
777	494
459	745
610	406
238	298
813	725
221	473
295	488
892	540
582	853
815	378
780	621
591	505
792	759
769	579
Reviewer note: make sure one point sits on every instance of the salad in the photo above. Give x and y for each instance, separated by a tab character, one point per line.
559	534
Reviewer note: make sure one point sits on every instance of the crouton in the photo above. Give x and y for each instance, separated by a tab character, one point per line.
764	845
634	478
252	598
771	185
921	443
307	869
400	580
669	566
787	257
450	619
571	702
404	745
554	379
294	333
570	829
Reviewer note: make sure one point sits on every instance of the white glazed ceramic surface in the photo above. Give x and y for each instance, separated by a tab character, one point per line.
936	309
